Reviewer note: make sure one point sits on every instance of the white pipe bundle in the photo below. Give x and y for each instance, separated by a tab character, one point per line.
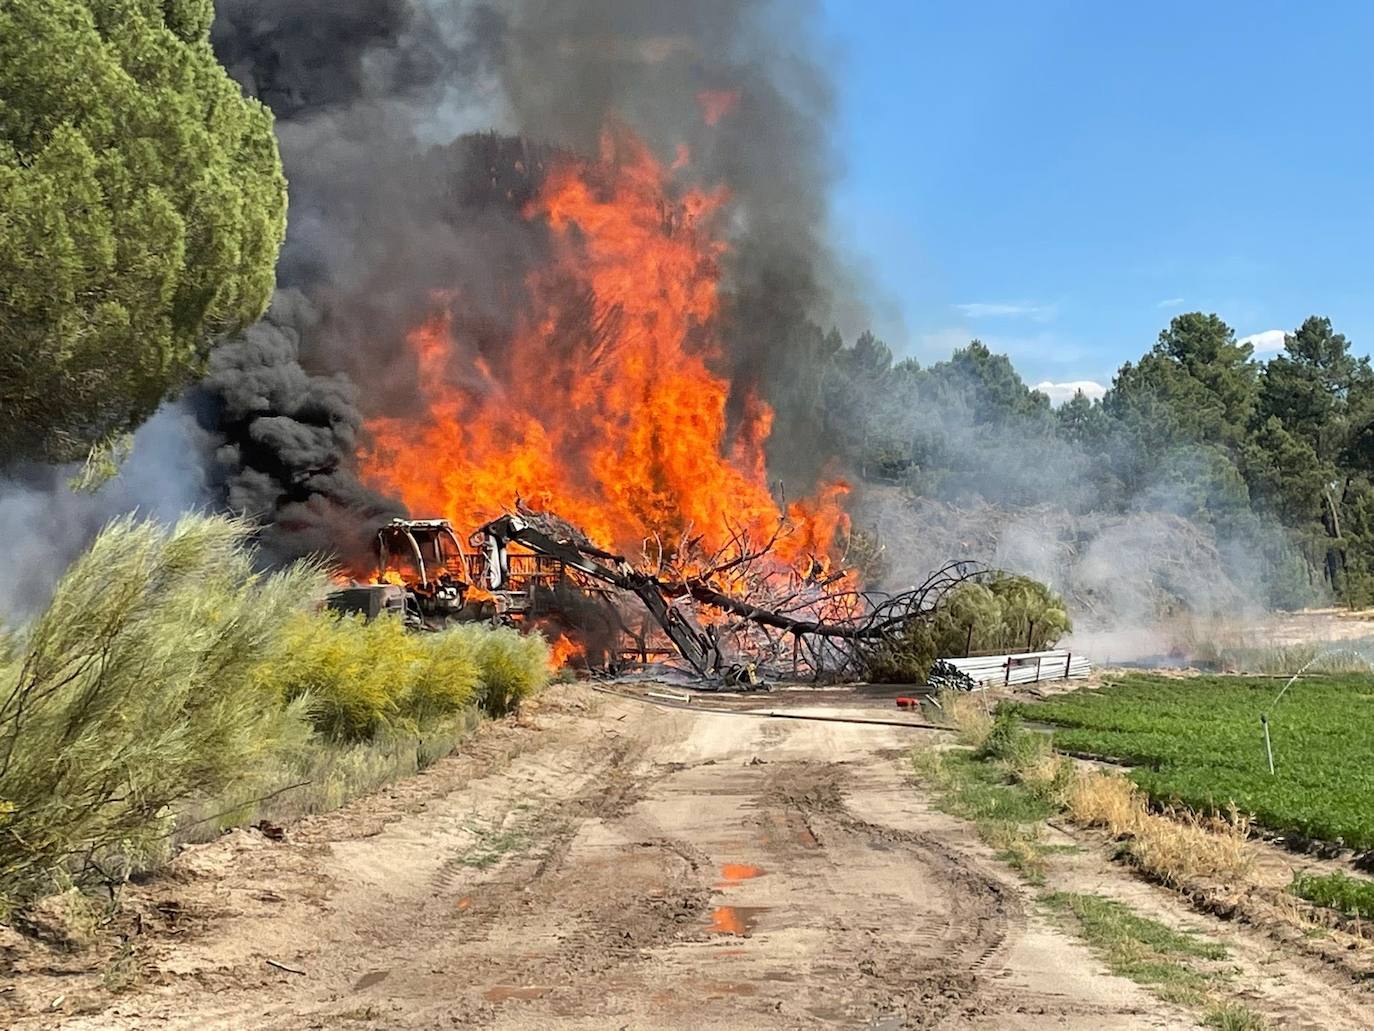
1021	667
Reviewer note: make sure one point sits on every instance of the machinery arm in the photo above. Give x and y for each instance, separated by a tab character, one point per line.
693	644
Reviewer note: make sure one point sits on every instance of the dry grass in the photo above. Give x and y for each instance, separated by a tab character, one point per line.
1096	799
1176	846
967	711
1050	777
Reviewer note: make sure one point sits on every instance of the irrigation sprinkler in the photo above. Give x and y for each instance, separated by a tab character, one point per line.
1264	716
1268	748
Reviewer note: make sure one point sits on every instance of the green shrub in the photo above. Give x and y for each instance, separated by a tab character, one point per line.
445	679
134	691
512	665
361	678
348	672
167	673
1001	613
1353	896
1013	744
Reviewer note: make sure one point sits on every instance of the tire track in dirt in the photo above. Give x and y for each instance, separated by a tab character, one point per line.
981	914
667	870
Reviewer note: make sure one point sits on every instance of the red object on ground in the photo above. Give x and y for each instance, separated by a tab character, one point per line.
904	702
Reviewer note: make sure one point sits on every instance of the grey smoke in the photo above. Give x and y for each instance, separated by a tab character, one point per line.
44	524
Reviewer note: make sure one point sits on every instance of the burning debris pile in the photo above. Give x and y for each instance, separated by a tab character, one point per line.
729	622
606	403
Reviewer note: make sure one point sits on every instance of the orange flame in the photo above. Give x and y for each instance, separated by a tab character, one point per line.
607	407
563	651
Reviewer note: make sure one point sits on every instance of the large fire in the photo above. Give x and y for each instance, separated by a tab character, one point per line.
609	407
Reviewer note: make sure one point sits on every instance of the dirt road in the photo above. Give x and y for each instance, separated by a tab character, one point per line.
611	864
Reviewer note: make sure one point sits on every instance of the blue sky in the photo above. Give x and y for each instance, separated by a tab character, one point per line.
1059	179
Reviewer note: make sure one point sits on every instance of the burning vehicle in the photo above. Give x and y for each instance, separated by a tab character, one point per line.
533	572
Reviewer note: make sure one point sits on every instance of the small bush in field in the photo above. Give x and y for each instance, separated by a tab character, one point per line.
1010	742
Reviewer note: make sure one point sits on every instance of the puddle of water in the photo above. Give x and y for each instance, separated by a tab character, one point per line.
371	978
736	920
733	873
506	992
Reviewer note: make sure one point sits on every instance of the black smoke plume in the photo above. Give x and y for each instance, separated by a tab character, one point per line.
413	132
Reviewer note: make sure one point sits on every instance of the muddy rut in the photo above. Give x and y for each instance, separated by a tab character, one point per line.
610	864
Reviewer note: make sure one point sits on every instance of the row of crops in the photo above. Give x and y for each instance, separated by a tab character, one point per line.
1199	740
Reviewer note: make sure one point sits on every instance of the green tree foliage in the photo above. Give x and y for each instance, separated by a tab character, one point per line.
1276	456
1000	613
1196	387
142	206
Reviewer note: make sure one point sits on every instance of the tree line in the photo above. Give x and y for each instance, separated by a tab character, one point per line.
1276	456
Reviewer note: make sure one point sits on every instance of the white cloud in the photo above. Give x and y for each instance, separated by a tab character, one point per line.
1058	393
1268	342
981	310
1170	302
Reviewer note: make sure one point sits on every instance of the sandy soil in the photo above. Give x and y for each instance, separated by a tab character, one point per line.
605	863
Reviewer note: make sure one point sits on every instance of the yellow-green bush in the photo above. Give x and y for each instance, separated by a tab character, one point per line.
512	665
360	678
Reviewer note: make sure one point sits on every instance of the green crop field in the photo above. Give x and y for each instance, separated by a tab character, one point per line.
1199	741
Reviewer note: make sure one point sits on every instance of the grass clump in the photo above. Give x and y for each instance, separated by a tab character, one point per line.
1143	950
1014	780
1353	896
1175	846
1010	743
1198	741
968	714
1233	1016
1006	814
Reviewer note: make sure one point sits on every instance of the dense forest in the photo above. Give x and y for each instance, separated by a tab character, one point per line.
1275	458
